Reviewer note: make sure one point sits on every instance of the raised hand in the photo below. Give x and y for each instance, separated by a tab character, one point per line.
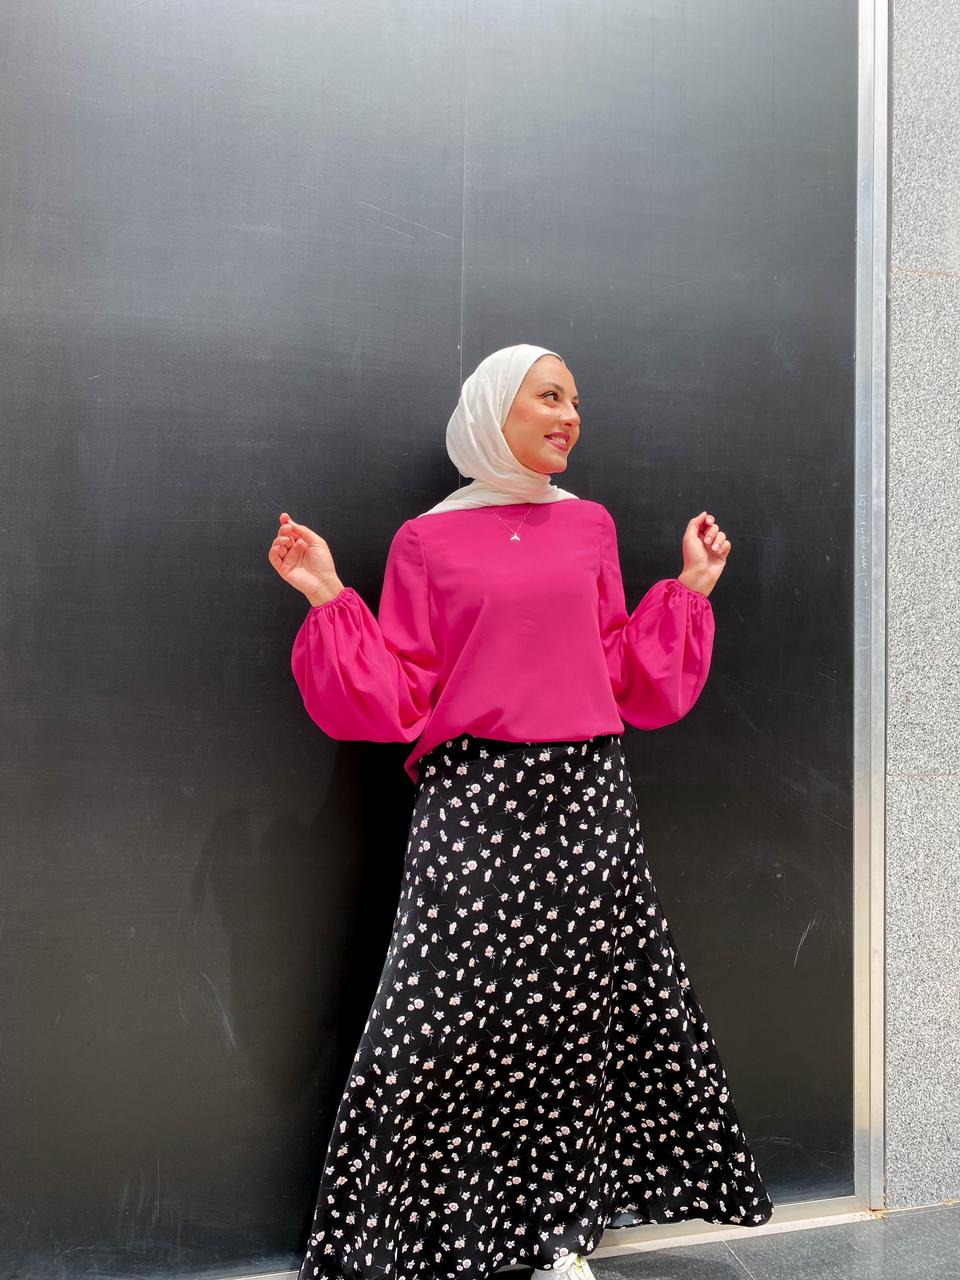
705	551
302	558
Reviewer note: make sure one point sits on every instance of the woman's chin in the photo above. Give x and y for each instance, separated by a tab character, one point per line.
550	465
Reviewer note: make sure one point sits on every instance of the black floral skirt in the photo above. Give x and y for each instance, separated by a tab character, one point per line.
535	1063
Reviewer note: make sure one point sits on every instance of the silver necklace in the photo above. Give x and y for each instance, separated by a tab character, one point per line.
515	532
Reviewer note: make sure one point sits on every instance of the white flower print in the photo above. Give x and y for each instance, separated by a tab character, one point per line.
552	1013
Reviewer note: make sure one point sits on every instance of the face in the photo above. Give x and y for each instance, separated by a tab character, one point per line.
545	406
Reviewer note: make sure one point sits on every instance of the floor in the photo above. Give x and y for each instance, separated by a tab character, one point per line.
903	1244
908	1244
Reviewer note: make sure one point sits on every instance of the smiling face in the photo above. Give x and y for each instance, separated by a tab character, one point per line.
546	405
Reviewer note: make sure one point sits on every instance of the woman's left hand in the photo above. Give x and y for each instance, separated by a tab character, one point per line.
705	551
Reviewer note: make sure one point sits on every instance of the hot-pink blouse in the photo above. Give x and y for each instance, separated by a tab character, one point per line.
525	640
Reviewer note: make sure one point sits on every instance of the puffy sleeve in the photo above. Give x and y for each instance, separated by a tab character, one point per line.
366	677
658	656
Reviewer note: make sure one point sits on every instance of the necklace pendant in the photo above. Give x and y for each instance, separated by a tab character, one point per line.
515	538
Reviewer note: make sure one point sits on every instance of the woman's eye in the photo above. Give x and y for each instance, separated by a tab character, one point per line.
556	397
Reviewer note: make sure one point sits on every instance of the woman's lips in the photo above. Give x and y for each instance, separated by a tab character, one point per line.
558	443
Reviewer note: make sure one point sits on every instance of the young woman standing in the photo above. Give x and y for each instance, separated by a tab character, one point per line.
535	1062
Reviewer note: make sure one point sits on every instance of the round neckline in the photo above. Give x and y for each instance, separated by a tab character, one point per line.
504	506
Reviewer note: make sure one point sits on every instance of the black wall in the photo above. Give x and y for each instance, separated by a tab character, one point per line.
248	251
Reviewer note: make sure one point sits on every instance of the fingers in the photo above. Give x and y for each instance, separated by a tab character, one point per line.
288	544
713	537
280	549
290	528
291	545
717	542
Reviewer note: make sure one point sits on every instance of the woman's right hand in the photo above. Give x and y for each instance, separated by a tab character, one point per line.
302	558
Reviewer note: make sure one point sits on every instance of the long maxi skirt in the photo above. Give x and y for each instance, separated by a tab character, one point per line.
535	1062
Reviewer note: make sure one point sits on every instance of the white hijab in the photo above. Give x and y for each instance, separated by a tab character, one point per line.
475	439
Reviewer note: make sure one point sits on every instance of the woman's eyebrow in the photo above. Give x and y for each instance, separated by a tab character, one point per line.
557	387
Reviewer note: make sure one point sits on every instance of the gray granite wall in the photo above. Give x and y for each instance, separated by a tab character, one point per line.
923	559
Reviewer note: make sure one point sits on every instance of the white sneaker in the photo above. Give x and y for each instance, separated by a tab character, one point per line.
578	1269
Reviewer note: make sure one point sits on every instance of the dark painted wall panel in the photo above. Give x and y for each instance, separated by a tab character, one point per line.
231	285
668	199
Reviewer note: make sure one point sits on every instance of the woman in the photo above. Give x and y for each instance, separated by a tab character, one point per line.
535	1062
